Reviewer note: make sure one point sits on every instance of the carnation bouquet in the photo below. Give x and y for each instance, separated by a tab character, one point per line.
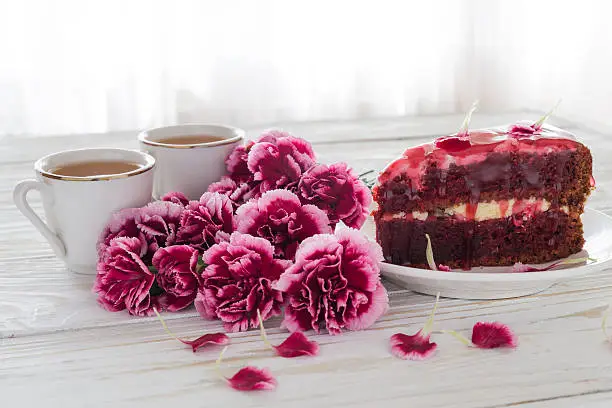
278	234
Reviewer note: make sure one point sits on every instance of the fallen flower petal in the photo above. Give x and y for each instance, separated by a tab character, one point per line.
520	267
444	268
220	339
296	345
252	379
488	335
492	335
248	378
417	346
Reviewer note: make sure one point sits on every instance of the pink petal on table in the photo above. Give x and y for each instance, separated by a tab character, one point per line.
252	379
443	268
521	267
297	344
489	335
220	339
416	347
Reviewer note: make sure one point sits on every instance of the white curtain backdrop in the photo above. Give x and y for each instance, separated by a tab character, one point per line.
105	65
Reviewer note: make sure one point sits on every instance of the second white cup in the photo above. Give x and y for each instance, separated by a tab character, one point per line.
189	157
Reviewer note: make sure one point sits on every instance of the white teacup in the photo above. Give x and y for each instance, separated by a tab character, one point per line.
189	167
77	208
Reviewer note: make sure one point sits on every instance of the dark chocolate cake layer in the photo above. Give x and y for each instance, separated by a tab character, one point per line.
562	178
544	237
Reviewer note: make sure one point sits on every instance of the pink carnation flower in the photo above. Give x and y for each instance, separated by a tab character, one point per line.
334	282
176	276
123	280
276	160
238	281
159	222
279	217
121	224
176	197
202	220
519	130
337	190
236	162
273	135
280	163
156	224
238	192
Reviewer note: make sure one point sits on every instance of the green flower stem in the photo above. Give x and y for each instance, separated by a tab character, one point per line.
429	323
463	130
458	336
544	118
262	331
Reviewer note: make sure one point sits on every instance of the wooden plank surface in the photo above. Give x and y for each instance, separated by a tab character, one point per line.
58	348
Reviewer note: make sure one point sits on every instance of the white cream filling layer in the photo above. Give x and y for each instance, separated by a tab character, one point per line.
489	210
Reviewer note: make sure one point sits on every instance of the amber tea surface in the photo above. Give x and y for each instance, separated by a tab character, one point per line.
189	140
95	168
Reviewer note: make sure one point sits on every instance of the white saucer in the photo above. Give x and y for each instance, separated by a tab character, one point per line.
500	282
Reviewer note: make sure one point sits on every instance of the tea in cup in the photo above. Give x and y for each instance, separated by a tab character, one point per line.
189	157
80	190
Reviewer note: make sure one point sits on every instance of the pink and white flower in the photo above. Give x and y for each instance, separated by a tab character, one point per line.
279	217
177	276
238	281
121	224
272	135
334	282
236	162
202	220
123	280
156	224
337	190
281	163
176	197
159	222
238	192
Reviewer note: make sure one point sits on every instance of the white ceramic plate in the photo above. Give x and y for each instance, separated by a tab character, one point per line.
500	282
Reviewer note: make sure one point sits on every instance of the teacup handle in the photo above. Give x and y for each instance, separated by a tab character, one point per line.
20	197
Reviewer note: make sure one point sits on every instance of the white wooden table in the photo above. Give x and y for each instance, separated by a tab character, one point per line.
59	348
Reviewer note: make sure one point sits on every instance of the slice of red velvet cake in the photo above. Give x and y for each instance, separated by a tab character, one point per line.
485	197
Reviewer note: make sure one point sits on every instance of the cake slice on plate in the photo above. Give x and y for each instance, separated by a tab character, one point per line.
487	197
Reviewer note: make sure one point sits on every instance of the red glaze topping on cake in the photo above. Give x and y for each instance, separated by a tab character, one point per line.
476	146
